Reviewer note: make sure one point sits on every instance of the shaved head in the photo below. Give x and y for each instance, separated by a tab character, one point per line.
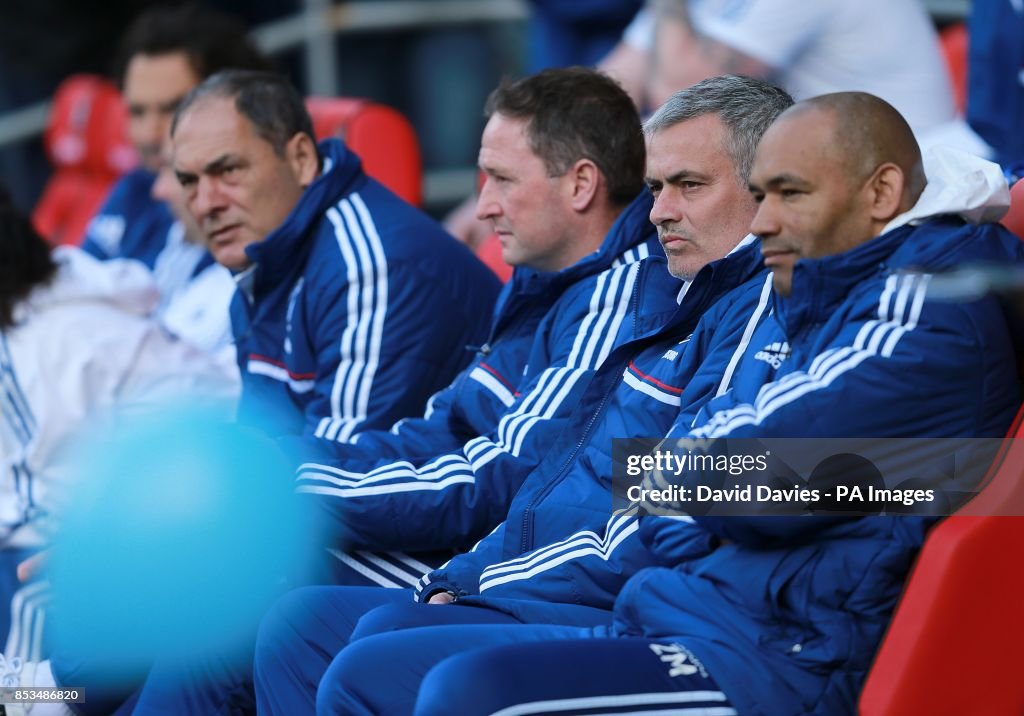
830	174
867	132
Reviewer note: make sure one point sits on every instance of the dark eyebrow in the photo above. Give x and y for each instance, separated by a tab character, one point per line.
171	104
219	164
678	177
787	179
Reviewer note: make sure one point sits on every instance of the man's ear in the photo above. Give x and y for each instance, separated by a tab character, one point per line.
300	152
584	179
886	188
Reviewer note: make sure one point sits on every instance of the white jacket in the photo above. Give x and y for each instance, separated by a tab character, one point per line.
82	350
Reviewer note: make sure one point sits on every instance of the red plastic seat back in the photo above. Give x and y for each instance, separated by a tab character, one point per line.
86	142
1014	219
954	41
954	643
382	137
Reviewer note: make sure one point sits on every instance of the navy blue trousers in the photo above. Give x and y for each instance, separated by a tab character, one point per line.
466	658
220	681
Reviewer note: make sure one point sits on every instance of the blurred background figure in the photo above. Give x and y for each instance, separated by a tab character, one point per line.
164	53
76	349
995	82
886	47
435	61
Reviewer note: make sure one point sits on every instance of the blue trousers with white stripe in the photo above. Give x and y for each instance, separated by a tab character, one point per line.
431	660
395	646
306	629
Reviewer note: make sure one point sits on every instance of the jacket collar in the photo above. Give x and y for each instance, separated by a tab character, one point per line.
959	185
285	248
659	309
821	285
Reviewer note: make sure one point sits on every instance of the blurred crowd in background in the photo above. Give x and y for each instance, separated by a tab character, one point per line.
437	74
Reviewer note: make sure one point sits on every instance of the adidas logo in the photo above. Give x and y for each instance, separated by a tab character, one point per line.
672	353
773	354
680	660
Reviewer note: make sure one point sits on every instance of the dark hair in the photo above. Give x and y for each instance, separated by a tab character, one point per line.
268	100
212	40
25	260
577	113
746	106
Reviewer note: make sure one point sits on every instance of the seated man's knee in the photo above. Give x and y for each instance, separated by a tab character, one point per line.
354	674
287	621
470	683
393	617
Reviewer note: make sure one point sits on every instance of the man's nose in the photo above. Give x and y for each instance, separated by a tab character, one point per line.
765	222
487	205
666	208
208	199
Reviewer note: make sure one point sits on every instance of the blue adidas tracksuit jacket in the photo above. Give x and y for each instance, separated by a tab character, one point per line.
536	316
357	309
495	422
787	616
784	613
131	224
550	546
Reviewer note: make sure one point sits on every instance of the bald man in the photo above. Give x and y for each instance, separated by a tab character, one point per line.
747	614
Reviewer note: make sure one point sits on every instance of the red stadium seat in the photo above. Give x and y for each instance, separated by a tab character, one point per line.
383	139
1014	219
85	141
954	40
954	644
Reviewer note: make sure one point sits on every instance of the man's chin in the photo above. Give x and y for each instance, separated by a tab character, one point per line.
231	258
683	271
782	281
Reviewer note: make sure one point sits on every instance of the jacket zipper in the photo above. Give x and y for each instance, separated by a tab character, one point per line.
560	474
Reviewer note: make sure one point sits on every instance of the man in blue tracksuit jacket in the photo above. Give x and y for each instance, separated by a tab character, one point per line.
555	322
550	333
662	362
754	615
352	306
164	53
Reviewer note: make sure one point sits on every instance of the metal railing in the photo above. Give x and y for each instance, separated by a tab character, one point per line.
314	29
321	20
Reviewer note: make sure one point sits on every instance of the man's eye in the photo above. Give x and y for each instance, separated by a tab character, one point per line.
790	193
690	184
757	196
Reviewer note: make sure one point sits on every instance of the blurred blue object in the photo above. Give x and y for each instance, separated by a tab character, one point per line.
995	83
576	32
179	534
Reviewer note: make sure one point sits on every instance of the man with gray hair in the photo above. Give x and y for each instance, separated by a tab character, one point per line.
335	273
746	610
560	556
